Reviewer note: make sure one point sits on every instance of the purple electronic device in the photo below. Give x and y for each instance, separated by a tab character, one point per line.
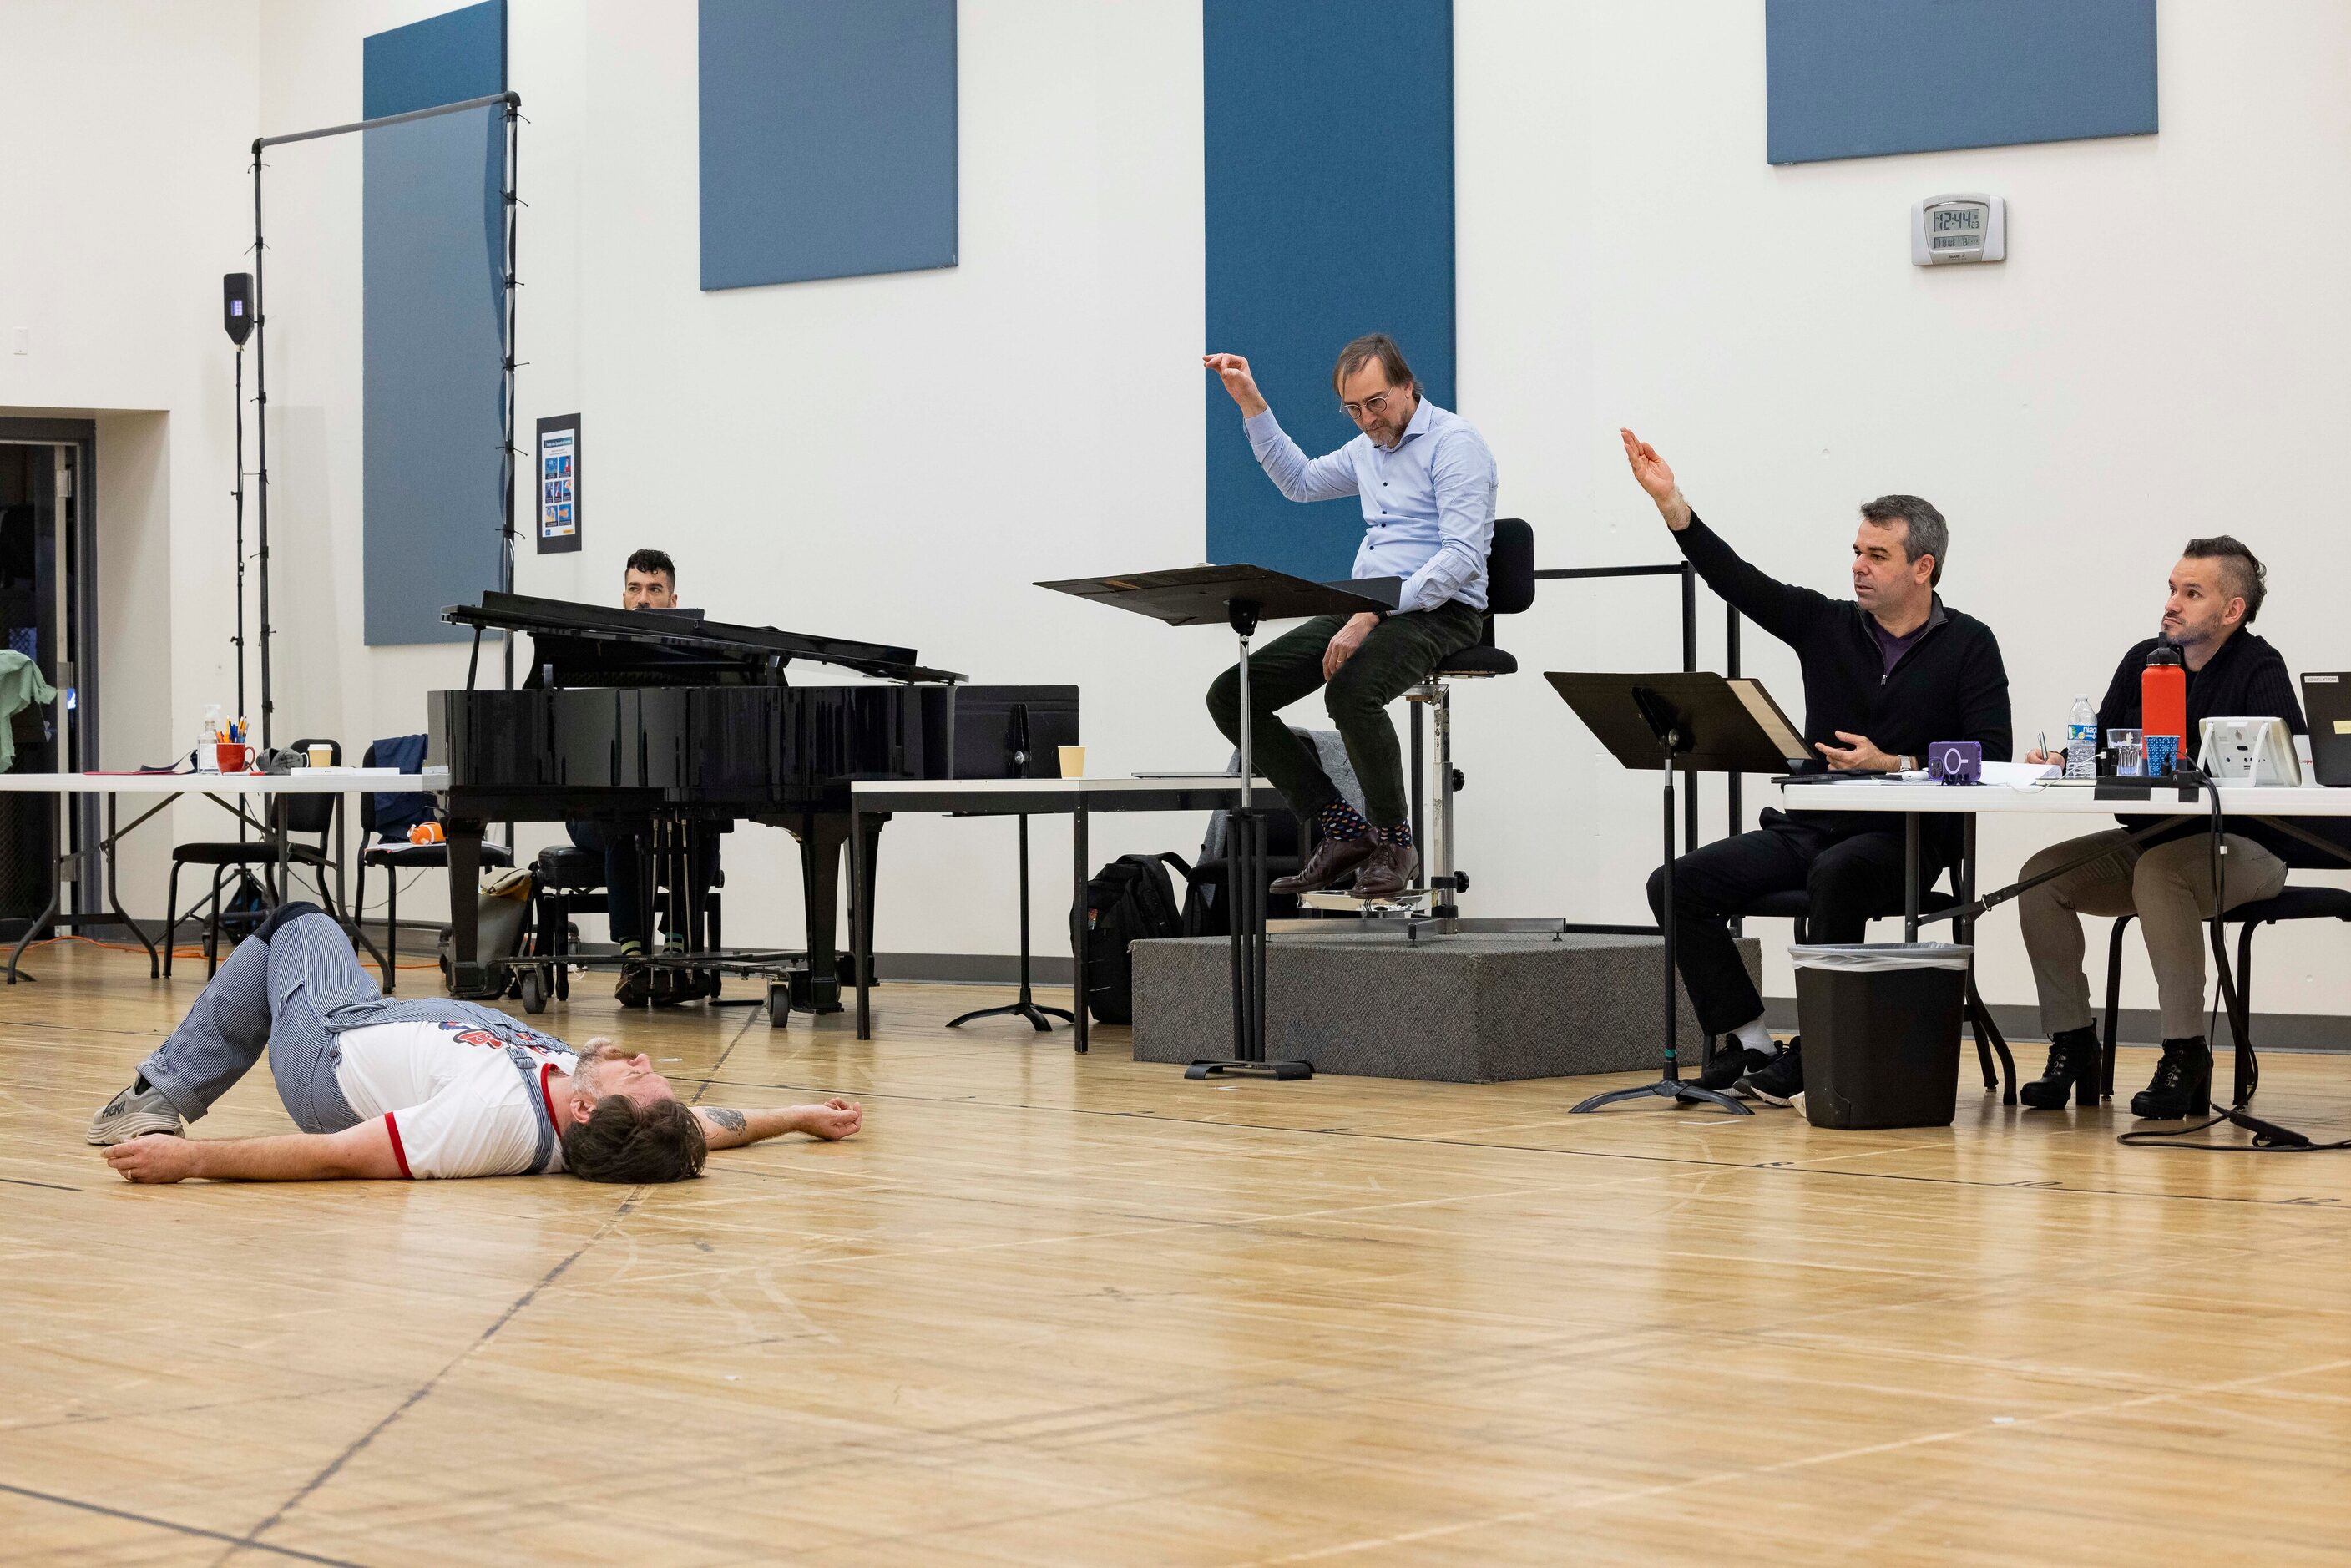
1956	762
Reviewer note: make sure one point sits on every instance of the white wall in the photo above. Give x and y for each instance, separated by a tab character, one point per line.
898	457
2076	412
124	128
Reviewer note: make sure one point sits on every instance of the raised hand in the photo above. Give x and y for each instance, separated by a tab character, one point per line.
1234	371
1653	475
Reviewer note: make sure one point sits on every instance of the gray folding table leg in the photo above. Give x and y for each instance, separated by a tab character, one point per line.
1078	925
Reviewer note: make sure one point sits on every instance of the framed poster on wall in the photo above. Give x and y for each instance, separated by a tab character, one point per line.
558	484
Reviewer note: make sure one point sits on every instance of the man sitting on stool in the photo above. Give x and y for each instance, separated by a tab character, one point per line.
1885	678
1427	483
649	582
2166	879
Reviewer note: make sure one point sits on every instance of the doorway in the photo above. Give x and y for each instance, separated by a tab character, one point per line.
46	600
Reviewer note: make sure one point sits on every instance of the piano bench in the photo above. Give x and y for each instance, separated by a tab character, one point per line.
569	868
412	856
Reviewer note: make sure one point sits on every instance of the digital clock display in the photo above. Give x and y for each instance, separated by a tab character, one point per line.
1951	220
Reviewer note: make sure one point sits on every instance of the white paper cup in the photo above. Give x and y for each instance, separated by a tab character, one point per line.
322	757
1074	761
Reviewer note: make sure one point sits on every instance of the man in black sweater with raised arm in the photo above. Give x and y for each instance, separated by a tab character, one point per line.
1887	674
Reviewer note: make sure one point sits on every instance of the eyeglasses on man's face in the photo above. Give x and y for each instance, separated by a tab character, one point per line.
1376	404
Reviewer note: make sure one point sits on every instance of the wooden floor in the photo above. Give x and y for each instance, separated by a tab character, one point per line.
1053	1310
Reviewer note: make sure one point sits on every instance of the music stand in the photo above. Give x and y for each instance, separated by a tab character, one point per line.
1240	597
1698	721
1017	755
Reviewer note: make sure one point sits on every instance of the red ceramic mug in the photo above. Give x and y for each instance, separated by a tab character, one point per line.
236	757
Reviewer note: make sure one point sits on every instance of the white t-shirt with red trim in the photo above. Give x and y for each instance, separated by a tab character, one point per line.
455	1101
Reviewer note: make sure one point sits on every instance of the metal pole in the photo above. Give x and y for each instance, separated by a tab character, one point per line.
513	100
240	639
261	435
1690	664
1731	669
1248	765
507	383
1665	927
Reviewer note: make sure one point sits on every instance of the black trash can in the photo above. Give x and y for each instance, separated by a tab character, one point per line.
1881	1030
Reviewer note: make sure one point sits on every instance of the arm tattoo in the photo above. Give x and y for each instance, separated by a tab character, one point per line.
733	1121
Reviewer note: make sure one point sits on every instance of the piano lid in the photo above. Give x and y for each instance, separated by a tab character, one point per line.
688	637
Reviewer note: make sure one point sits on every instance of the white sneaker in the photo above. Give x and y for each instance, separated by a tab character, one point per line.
132	1113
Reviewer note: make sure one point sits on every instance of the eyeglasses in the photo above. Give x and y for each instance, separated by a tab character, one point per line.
1376	403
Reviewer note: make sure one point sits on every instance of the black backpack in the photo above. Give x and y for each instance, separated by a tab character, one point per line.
1127	901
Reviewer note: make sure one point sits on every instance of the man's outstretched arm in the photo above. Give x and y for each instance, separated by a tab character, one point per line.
1296	476
833	1121
361	1152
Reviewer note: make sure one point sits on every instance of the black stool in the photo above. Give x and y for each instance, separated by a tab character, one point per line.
1509	590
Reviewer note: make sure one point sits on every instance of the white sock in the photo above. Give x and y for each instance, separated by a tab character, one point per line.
1754	1036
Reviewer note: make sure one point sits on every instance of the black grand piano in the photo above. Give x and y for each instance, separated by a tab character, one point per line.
670	719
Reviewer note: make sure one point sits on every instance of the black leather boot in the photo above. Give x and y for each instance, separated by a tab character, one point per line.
2183	1085
2075	1066
1333	861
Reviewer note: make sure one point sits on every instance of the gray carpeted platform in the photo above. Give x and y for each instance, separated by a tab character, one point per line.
1467	1009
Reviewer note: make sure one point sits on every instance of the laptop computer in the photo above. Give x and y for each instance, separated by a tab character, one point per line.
2327	703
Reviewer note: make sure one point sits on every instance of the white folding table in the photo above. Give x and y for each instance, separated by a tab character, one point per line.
2162	803
1074	798
2055	797
166	788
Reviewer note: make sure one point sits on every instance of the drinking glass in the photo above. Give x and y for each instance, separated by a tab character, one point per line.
2130	757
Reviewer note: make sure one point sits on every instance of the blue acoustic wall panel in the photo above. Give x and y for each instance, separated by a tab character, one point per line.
433	247
1857	79
1329	152
828	139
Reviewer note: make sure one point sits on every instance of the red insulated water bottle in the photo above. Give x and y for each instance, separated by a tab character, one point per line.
2163	704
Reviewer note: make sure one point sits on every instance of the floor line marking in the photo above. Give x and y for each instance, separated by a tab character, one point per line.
234	1544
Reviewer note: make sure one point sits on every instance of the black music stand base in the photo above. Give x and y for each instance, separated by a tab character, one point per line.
1023	1009
1027	1007
1244	890
1671	732
1672	1089
1279	1072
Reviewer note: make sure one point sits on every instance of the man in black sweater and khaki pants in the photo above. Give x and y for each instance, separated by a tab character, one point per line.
1887	674
2166	879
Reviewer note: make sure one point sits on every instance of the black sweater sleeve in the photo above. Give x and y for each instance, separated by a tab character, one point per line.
1785	610
2269	690
1983	698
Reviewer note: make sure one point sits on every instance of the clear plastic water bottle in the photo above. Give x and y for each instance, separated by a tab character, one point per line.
208	736
2082	740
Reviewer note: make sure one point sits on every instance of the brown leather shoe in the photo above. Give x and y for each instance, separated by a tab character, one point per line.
1332	861
1387	871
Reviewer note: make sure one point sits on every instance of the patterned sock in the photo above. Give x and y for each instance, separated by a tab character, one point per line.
632	949
1400	835
1342	821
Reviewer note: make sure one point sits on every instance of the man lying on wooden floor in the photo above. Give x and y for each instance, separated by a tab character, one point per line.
432	1087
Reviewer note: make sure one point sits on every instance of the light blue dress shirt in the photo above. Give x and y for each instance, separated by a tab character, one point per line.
1429	504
